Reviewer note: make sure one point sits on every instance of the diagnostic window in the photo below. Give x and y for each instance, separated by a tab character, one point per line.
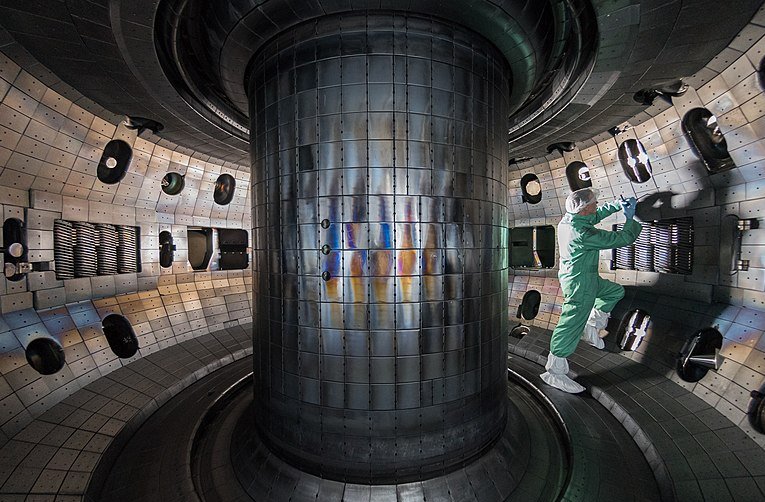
532	247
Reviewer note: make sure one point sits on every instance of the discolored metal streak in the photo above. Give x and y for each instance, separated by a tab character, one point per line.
380	245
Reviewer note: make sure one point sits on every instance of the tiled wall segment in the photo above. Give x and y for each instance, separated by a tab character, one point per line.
49	150
54	457
681	186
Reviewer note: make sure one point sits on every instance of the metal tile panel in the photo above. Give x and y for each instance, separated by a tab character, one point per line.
351	253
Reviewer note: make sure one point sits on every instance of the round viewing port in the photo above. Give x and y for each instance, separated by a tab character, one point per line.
173	183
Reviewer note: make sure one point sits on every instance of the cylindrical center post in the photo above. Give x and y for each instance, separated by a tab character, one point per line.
379	198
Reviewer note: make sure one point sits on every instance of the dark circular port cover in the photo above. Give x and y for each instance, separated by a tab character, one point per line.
114	162
45	355
224	189
120	335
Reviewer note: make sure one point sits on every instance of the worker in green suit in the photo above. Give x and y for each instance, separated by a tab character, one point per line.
588	298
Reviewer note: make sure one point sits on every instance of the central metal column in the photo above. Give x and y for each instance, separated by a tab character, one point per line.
379	182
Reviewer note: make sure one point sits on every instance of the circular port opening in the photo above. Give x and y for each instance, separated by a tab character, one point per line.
173	183
45	355
224	189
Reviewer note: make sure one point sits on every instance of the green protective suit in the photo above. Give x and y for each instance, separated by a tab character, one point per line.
580	244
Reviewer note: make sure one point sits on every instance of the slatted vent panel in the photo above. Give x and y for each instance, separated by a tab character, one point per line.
664	246
83	249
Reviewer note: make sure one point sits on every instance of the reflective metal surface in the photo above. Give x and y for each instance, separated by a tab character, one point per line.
380	245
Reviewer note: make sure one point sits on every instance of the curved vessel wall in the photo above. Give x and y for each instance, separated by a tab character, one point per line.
382	141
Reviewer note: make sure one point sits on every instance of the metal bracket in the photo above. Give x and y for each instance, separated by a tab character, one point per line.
700	354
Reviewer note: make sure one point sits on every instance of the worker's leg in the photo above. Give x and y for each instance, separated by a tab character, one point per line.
563	343
573	317
608	295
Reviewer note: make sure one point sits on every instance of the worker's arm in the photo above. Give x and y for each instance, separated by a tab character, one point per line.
607	210
595	238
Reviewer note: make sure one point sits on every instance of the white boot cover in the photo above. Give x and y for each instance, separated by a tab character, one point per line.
556	375
596	322
598	319
591	336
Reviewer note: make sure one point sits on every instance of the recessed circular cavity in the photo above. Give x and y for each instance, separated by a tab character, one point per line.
224	189
756	411
701	127
529	307
520	331
45	355
578	176
325	249
173	183
326	275
166	249
635	161
120	335
15	239
531	188
325	223
114	162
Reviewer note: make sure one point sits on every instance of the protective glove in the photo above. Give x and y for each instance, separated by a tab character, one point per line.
629	206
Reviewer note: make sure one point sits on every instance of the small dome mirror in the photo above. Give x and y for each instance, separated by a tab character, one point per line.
224	189
635	161
45	355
